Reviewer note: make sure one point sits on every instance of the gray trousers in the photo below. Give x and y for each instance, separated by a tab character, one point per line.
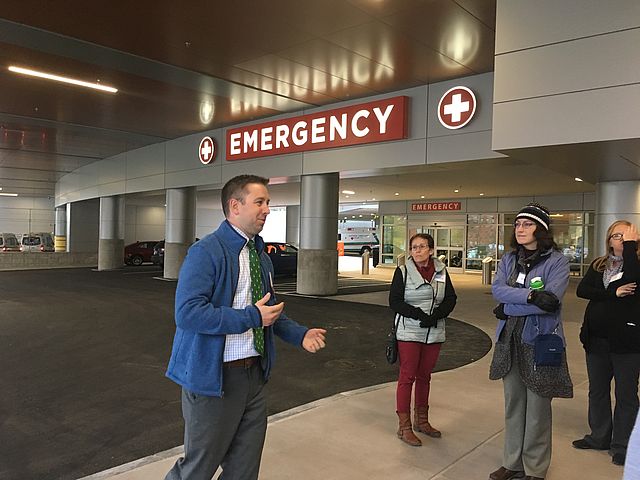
527	443
226	431
602	368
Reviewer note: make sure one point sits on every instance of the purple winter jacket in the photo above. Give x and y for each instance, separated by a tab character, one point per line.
555	276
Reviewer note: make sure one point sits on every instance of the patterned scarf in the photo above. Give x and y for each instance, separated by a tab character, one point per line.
613	267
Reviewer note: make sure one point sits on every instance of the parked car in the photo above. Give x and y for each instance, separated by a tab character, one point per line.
9	243
36	242
284	257
158	254
139	252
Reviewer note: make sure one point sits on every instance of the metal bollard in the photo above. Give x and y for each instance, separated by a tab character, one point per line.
487	265
365	262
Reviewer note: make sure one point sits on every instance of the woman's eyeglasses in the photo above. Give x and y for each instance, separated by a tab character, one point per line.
524	224
417	248
617	236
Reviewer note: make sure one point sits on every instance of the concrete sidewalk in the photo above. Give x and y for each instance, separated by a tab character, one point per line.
352	435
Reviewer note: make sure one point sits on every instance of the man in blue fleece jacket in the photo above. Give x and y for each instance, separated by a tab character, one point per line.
223	350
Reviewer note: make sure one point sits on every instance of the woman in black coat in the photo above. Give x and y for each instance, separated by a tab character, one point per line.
610	335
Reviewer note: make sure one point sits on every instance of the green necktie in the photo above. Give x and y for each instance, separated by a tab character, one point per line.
256	293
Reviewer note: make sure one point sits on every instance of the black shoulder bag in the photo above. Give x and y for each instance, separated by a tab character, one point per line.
391	348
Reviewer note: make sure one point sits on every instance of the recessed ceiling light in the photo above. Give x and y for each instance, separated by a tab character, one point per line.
481	194
8	194
360	216
347	196
578	179
0	188
373	199
456	190
348	192
58	78
397	193
421	196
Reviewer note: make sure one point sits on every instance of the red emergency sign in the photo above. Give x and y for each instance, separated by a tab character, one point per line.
382	120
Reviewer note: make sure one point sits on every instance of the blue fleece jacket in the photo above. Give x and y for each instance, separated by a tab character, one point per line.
555	276
206	287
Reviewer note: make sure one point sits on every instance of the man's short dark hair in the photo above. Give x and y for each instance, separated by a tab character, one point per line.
235	188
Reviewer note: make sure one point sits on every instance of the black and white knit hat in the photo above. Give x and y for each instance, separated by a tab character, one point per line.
536	212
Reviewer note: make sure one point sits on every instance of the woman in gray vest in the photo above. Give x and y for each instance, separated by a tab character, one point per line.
529	285
422	296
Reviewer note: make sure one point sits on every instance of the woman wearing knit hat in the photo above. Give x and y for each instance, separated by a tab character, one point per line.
610	335
529	285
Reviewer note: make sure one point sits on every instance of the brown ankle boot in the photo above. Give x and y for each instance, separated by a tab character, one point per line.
421	422
405	432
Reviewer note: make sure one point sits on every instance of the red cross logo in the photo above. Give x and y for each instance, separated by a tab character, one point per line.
207	150
456	107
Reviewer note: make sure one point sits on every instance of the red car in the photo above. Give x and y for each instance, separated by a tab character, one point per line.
139	252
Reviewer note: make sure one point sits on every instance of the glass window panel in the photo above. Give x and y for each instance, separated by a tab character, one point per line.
481	219
442	237
504	239
394	237
590	250
509	218
473	264
481	241
457	237
455	258
566	218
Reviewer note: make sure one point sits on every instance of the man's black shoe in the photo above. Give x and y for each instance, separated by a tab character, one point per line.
583	444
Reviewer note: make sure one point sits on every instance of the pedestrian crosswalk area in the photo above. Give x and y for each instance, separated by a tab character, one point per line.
346	286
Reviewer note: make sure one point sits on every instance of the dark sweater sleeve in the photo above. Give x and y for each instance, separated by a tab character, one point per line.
448	302
592	288
631	267
396	298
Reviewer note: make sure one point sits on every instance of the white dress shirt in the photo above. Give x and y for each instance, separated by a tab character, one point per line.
240	345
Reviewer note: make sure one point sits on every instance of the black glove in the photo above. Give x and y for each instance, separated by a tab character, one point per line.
544	300
499	312
428	321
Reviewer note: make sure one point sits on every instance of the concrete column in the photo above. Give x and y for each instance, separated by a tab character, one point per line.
318	254
292	235
615	201
60	229
180	228
83	226
111	238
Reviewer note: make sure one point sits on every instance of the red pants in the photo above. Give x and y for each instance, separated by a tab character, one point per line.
416	364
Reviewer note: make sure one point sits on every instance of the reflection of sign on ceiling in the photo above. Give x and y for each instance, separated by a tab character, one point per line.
456	107
207	150
435	206
378	121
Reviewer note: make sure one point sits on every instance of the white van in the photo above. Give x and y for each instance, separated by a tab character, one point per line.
9	243
358	239
37	242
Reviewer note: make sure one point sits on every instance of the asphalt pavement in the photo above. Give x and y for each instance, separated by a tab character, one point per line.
83	356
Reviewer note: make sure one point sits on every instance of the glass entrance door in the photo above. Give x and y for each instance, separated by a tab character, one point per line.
449	245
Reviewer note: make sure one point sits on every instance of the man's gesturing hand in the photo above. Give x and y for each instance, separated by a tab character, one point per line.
269	313
313	340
